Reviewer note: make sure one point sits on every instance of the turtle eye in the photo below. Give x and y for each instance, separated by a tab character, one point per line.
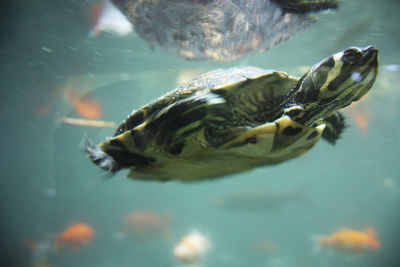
352	55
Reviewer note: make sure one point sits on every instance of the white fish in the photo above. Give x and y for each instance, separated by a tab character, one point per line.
191	248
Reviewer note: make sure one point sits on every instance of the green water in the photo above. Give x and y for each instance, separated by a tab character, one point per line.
47	183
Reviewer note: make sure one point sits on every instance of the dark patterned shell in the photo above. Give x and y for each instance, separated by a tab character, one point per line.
218	30
208	128
247	104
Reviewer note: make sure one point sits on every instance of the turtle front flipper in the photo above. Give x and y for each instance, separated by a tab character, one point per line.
335	125
276	141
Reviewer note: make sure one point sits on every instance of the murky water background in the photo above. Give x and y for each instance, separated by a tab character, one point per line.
47	183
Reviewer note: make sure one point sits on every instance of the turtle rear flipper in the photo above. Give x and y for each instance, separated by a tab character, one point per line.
335	124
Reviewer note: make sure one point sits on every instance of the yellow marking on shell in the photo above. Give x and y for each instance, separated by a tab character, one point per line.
228	87
263	135
141	126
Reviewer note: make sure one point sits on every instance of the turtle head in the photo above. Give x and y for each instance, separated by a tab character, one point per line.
333	83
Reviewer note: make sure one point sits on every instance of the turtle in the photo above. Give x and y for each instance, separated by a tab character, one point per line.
222	30
231	120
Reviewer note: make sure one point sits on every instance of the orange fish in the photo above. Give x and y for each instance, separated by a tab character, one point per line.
351	240
361	121
74	236
146	224
86	106
265	246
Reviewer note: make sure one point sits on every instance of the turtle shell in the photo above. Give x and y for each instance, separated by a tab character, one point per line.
227	121
219	30
223	122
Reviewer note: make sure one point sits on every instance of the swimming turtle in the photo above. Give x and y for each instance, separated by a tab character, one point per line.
228	121
220	30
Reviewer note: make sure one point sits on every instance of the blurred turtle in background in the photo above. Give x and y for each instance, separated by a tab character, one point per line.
221	30
228	121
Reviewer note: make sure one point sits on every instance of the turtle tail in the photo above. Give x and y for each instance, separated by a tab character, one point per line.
98	156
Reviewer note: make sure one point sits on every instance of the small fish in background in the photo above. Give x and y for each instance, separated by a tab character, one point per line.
258	200
40	251
361	121
107	18
145	225
265	247
390	184
349	240
358	112
86	106
41	264
74	236
42	110
192	248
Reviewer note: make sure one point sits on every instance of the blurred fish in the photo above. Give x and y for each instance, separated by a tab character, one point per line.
361	121
42	110
39	250
391	185
348	240
388	183
258	200
85	106
87	122
265	246
146	225
107	18
191	248
50	192
41	264
74	236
